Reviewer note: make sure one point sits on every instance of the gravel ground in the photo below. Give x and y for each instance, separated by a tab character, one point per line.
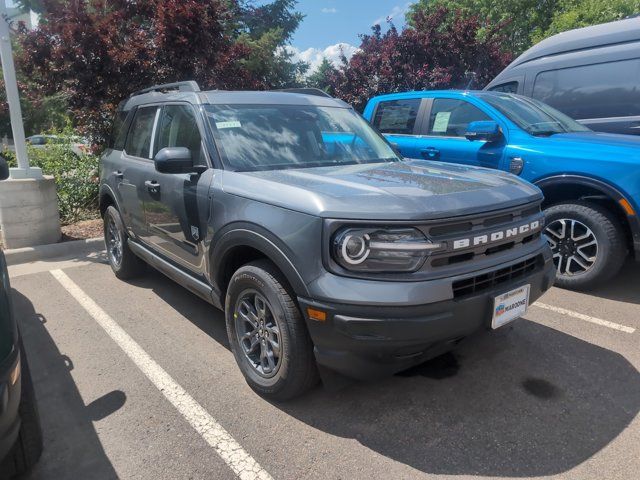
84	229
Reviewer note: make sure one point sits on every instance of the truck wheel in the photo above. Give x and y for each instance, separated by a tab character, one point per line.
26	452
123	261
267	333
587	241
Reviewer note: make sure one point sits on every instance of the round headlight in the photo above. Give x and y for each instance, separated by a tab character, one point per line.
355	248
380	249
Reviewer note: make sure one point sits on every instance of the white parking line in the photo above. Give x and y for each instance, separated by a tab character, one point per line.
244	466
586	318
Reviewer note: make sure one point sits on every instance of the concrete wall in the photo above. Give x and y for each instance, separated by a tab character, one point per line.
29	212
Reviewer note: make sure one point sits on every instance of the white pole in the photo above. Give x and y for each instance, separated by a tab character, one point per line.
13	99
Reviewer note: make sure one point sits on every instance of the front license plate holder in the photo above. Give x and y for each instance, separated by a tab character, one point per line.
509	306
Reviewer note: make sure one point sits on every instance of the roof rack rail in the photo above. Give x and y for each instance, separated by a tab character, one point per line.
306	91
186	86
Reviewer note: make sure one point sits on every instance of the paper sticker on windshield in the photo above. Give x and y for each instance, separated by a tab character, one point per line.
231	124
441	123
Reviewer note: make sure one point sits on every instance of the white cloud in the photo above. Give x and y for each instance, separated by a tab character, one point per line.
329	10
397	11
314	56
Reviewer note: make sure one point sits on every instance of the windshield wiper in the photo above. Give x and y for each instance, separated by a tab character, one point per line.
545	133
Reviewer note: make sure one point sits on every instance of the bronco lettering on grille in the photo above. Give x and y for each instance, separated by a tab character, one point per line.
497	236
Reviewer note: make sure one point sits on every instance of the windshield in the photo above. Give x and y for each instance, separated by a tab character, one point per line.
270	137
535	117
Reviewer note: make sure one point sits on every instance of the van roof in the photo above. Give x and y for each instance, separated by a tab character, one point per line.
621	31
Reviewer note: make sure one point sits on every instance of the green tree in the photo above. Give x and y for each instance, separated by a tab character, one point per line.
266	30
583	13
322	76
520	19
526	22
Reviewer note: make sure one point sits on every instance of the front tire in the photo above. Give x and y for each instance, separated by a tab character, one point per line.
588	244
267	333
123	261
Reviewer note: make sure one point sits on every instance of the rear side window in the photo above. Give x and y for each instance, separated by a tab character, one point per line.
178	128
119	131
139	139
397	116
509	87
592	91
450	117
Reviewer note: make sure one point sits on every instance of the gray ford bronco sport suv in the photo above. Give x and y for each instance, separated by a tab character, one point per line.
327	251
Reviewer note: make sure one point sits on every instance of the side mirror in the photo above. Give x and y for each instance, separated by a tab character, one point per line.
4	169
175	160
486	130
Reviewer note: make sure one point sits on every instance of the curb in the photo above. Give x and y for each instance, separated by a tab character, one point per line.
17	256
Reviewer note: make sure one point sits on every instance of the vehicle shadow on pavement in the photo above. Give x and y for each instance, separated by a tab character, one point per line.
203	315
72	449
624	287
531	402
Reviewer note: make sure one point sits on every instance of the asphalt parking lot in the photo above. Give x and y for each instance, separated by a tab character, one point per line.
136	380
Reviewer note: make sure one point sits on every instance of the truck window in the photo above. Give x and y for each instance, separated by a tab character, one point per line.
397	116
139	139
508	87
450	117
591	91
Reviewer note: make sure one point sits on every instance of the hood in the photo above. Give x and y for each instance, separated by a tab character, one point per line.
599	145
407	190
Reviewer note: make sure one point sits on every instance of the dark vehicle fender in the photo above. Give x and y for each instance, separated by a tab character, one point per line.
247	235
607	190
107	197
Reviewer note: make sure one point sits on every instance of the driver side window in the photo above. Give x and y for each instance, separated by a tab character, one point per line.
450	117
178	128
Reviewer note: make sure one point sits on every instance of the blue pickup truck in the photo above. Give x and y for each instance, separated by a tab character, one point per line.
591	181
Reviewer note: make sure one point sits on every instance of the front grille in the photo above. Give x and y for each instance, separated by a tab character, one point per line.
447	233
486	281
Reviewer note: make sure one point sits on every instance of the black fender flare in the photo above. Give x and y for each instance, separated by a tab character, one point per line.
260	239
607	189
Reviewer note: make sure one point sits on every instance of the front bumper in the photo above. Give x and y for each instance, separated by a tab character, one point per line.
369	341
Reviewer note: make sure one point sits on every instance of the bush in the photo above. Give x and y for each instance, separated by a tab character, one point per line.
75	174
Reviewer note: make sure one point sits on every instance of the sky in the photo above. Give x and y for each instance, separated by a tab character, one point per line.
330	24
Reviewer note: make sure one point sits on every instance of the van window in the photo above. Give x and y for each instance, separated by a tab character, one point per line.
509	87
139	138
397	116
450	117
592	91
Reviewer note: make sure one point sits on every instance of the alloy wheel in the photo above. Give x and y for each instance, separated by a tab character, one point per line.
114	242
258	333
574	246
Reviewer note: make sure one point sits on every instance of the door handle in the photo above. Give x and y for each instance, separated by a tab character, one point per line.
430	153
152	186
118	174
